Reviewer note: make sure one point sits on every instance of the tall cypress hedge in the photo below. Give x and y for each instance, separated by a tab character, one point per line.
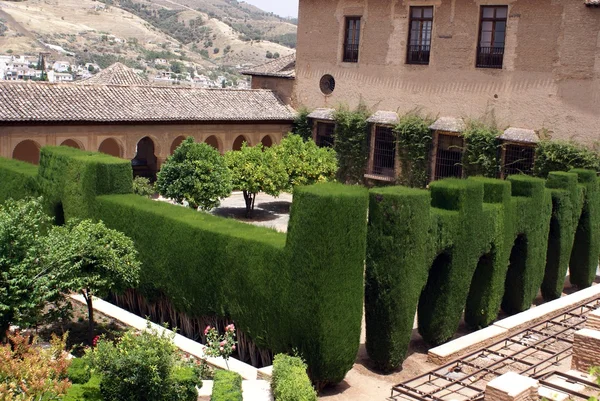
17	179
398	243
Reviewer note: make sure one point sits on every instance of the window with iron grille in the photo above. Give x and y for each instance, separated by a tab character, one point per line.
325	135
419	35
492	33
351	39
449	156
518	159
384	152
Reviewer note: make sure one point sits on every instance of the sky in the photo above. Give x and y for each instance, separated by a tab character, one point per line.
284	8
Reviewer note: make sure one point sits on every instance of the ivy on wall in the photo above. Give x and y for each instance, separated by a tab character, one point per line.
563	156
414	142
301	125
351	143
481	153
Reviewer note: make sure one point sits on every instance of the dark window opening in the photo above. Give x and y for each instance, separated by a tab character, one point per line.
384	152
325	135
492	33
518	160
351	39
419	35
448	161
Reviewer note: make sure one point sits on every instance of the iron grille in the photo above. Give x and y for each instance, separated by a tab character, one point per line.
449	156
418	54
518	159
325	137
351	53
490	57
384	152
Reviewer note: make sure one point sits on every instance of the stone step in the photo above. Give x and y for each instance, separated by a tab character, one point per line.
257	390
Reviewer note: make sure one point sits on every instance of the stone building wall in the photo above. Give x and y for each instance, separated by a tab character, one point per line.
550	75
283	87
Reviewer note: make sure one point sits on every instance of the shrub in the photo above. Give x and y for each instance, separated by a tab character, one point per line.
227	386
480	157
290	381
350	143
79	371
196	173
143	187
39	372
89	391
563	156
414	142
142	366
19	179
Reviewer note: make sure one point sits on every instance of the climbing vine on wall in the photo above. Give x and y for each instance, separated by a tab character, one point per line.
414	142
481	153
351	143
301	125
563	156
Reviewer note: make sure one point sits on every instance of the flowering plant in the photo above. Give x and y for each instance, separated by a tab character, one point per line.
220	345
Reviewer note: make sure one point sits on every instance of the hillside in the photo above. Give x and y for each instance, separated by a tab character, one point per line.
201	34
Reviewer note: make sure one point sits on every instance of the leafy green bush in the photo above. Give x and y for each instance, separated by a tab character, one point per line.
481	154
563	156
290	381
301	125
89	391
227	386
142	366
196	173
79	371
19	179
143	187
414	141
351	143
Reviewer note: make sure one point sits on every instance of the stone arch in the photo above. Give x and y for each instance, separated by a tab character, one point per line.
513	284
145	162
267	141
72	143
27	151
176	142
112	147
214	142
237	144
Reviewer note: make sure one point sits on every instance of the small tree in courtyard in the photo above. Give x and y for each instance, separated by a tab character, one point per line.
305	162
196	173
93	260
26	282
256	169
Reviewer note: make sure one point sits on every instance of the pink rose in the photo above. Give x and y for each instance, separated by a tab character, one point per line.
233	347
206	330
221	349
222	343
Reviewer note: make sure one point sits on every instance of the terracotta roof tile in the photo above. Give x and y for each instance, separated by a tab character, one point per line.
30	101
283	67
116	74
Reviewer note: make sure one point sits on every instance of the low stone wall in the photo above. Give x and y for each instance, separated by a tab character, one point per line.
586	350
512	387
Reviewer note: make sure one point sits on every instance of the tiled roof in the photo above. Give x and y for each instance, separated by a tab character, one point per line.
520	135
116	74
592	3
44	102
283	67
384	118
448	124
322	114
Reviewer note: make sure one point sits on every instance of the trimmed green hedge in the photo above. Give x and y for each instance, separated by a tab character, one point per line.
89	391
290	381
17	179
301	291
227	386
70	179
79	371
